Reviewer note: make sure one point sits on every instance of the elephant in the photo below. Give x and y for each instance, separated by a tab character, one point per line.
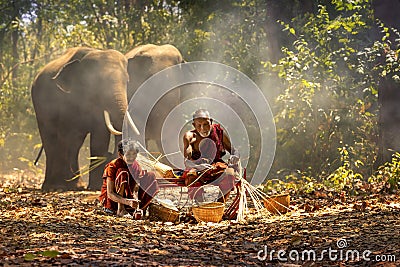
143	62
77	94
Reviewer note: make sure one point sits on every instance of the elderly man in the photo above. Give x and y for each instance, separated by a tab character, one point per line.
121	179
204	147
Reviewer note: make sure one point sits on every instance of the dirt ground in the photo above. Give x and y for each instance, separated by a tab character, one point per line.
70	229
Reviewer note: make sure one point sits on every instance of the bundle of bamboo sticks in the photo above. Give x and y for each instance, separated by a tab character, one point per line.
261	201
153	164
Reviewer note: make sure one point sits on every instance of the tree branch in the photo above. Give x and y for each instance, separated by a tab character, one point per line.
8	73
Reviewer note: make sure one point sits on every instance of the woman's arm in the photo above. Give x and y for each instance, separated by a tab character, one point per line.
112	194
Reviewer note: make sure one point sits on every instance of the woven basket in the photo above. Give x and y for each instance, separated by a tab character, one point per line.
210	212
277	204
165	214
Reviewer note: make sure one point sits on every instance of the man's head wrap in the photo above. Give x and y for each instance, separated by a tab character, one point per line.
201	113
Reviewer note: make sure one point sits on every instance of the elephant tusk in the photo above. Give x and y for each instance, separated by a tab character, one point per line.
109	125
131	123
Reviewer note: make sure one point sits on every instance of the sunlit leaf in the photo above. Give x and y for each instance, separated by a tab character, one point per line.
30	256
50	253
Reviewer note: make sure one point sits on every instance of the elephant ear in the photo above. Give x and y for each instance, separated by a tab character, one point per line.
68	73
139	65
61	78
139	70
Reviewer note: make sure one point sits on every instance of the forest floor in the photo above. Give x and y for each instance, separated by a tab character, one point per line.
70	229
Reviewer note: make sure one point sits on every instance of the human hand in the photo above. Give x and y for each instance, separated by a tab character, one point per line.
203	166
201	161
233	160
189	152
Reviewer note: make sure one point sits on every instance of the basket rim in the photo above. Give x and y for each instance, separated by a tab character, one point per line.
210	205
209	212
163	213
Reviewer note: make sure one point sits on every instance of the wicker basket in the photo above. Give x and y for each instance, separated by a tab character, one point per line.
277	204
160	212
210	212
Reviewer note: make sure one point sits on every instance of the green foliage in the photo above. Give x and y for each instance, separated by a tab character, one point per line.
325	103
388	175
292	182
230	32
380	59
345	176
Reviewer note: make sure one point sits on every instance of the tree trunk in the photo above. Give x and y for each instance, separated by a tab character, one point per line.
39	32
2	69
389	90
15	54
283	11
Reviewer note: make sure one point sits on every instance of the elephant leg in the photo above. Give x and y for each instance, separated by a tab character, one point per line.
48	135
52	180
99	142
54	147
62	168
73	148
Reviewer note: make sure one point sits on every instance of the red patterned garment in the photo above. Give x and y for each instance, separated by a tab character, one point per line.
217	173
118	172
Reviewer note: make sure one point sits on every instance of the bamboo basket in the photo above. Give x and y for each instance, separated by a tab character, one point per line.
277	204
160	212
210	212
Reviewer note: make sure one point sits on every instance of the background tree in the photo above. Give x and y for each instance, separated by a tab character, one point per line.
389	83
323	107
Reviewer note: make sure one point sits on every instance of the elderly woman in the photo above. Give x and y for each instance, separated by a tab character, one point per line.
125	186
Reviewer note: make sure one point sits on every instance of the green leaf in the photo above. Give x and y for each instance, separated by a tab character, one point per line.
50	253
30	256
